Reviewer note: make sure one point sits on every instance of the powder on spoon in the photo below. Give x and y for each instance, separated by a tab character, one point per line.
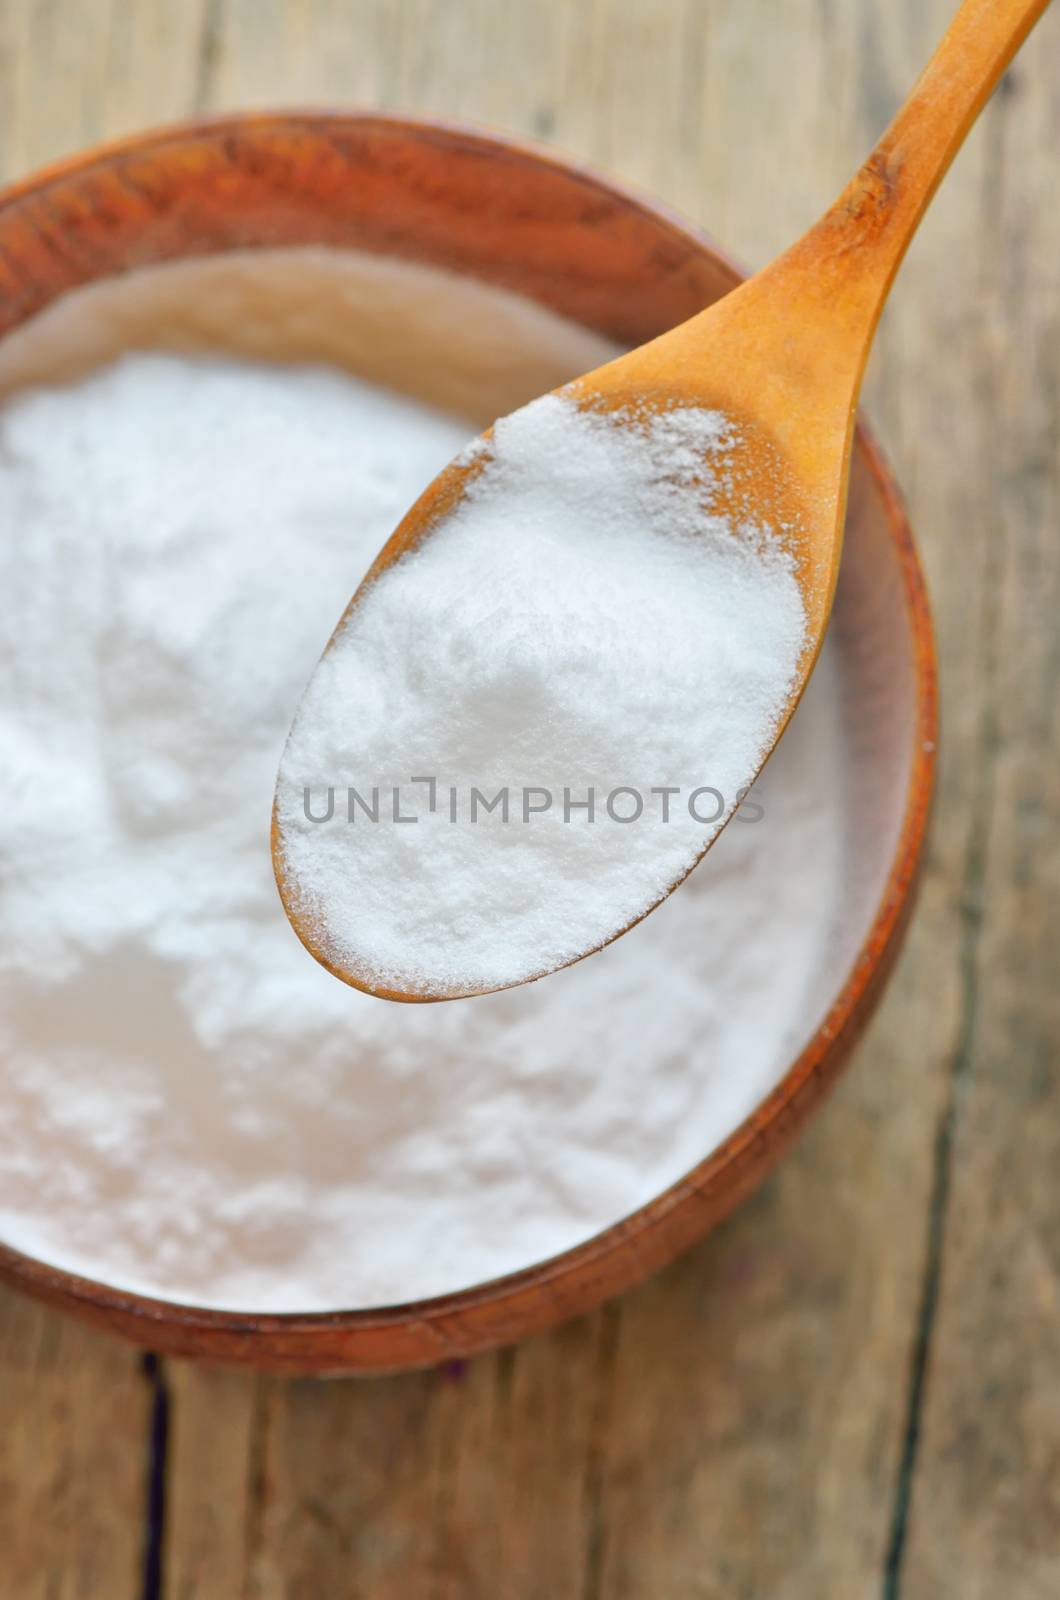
536	721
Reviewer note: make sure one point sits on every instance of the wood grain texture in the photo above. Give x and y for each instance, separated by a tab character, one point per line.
986	1502
851	1389
74	1409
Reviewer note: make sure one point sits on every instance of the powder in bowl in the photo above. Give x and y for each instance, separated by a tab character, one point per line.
190	1107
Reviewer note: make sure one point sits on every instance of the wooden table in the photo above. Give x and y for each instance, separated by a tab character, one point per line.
852	1389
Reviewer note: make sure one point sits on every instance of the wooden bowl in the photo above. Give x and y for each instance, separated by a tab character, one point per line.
520	218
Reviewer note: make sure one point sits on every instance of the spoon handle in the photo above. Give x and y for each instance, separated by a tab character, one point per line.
855	250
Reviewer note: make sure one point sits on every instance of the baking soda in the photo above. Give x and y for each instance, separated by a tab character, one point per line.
189	1105
560	697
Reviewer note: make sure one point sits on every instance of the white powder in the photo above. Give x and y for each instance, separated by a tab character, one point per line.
587	643
189	1105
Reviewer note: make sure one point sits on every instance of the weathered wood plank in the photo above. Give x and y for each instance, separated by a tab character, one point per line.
213	1483
73	72
986	1501
74	1413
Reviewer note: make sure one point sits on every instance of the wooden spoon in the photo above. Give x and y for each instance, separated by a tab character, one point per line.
783	355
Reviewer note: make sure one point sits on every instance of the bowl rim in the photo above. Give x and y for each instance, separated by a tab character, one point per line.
745	1152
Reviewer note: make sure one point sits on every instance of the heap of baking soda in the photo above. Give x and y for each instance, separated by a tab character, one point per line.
528	728
189	1105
